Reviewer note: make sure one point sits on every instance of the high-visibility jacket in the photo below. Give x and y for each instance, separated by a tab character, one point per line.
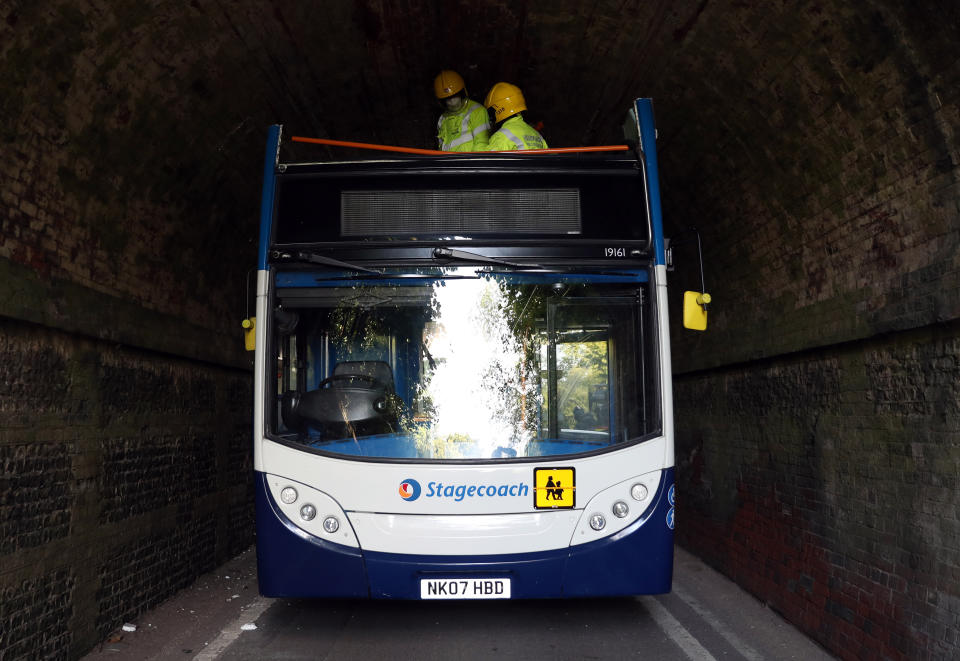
514	134
465	130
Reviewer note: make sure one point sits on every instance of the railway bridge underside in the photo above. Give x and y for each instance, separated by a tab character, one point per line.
814	147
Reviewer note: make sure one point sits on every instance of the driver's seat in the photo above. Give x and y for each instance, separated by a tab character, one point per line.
375	369
358	399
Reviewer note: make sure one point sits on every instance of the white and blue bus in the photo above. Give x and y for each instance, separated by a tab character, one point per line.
462	376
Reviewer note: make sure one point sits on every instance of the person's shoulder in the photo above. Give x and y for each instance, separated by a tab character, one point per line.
499	141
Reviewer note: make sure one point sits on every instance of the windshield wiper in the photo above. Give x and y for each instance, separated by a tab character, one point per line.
377	275
575	270
313	258
467	256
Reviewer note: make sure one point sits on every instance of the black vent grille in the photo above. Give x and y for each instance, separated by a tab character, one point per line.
463	212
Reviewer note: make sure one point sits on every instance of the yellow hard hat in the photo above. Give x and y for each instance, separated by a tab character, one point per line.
506	100
447	83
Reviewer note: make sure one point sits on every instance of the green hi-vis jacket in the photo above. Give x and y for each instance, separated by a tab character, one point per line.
466	130
514	134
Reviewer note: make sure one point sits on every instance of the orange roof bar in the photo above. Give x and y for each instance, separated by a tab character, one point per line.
435	152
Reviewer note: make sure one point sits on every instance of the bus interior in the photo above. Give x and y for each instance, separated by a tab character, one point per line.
463	363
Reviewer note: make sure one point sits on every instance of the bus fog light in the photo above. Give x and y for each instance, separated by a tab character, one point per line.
597	522
308	512
638	491
620	509
288	495
331	525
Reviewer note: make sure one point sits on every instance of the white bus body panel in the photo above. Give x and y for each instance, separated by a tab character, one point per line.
367	494
260	360
370	486
491	534
478	534
666	366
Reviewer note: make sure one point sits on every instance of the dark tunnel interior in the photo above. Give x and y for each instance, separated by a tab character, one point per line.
812	144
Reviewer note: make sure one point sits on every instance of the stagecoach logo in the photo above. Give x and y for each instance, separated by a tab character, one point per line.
409	489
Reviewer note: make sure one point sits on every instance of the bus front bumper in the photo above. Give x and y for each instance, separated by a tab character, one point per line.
636	560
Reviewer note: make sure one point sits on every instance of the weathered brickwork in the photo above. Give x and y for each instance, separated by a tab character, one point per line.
142	574
35	382
144	473
817	418
239	524
828	202
837	501
89	198
32	628
106	444
239	461
177	390
125	474
35	498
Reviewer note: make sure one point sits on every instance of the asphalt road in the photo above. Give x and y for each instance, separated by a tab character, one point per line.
222	617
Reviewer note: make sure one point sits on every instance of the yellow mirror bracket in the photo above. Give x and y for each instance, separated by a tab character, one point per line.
250	333
695	310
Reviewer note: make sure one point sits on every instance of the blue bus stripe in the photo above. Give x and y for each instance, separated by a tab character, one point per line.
266	200
648	140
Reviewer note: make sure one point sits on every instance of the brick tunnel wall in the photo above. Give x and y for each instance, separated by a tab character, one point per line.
126	474
818	418
826	484
125	393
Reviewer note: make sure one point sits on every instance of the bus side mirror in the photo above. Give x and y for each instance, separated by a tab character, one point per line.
250	333
695	310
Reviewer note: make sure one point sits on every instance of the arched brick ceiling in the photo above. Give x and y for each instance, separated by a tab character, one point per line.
814	144
779	122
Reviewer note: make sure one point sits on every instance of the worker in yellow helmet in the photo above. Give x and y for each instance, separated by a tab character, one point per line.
464	124
506	101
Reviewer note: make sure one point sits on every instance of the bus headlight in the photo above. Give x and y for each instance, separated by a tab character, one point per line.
620	509
331	525
638	491
314	512
597	522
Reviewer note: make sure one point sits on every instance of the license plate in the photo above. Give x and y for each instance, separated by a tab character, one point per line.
464	588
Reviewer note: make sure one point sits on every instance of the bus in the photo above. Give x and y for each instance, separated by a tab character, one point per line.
462	375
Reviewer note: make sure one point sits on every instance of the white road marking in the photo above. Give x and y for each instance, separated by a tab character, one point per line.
233	630
676	631
738	643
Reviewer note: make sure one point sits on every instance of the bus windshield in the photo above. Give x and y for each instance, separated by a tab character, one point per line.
464	363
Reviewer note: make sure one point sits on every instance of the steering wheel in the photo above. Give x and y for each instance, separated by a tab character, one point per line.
331	381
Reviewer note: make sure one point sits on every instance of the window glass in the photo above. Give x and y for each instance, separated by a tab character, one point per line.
465	364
